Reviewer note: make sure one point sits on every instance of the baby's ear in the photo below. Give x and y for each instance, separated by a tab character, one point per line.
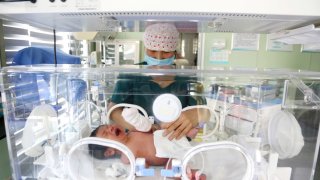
109	152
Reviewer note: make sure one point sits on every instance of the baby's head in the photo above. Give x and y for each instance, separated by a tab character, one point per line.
104	152
95	150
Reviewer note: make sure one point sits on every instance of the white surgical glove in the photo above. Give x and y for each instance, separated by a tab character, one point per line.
133	117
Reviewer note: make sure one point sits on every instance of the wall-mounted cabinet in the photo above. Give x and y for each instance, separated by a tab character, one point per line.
120	52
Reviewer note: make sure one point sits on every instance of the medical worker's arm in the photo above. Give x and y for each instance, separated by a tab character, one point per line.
188	119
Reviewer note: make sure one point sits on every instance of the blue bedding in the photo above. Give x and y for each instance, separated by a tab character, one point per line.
43	55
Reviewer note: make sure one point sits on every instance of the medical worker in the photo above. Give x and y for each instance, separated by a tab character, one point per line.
160	41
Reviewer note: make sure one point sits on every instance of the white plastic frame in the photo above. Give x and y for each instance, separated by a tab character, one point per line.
102	142
219	145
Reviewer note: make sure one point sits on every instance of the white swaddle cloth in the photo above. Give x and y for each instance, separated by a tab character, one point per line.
170	149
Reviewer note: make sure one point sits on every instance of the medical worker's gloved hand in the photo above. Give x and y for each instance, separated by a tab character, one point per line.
133	117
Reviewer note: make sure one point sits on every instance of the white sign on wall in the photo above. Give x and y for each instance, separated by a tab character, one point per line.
245	41
273	45
311	47
218	56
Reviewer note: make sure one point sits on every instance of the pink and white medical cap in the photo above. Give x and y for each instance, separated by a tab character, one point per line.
161	37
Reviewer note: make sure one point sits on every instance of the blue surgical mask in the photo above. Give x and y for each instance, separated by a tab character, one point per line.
161	62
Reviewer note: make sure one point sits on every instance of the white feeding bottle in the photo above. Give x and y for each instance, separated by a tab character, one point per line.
167	108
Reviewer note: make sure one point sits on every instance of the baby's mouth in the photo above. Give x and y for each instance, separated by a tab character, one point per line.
117	131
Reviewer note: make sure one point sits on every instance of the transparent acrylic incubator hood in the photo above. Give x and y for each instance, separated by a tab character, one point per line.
262	124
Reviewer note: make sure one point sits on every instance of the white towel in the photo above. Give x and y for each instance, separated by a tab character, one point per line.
170	149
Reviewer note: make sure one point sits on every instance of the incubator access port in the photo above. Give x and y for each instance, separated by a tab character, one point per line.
92	158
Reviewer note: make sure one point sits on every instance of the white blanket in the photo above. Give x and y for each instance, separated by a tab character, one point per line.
170	149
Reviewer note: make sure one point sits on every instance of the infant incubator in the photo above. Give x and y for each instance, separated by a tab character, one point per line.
257	127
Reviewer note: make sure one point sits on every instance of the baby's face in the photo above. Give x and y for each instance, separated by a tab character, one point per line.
113	132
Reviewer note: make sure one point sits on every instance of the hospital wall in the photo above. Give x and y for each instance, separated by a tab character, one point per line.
261	58
4	161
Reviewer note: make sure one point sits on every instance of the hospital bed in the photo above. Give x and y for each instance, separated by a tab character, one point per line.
253	131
